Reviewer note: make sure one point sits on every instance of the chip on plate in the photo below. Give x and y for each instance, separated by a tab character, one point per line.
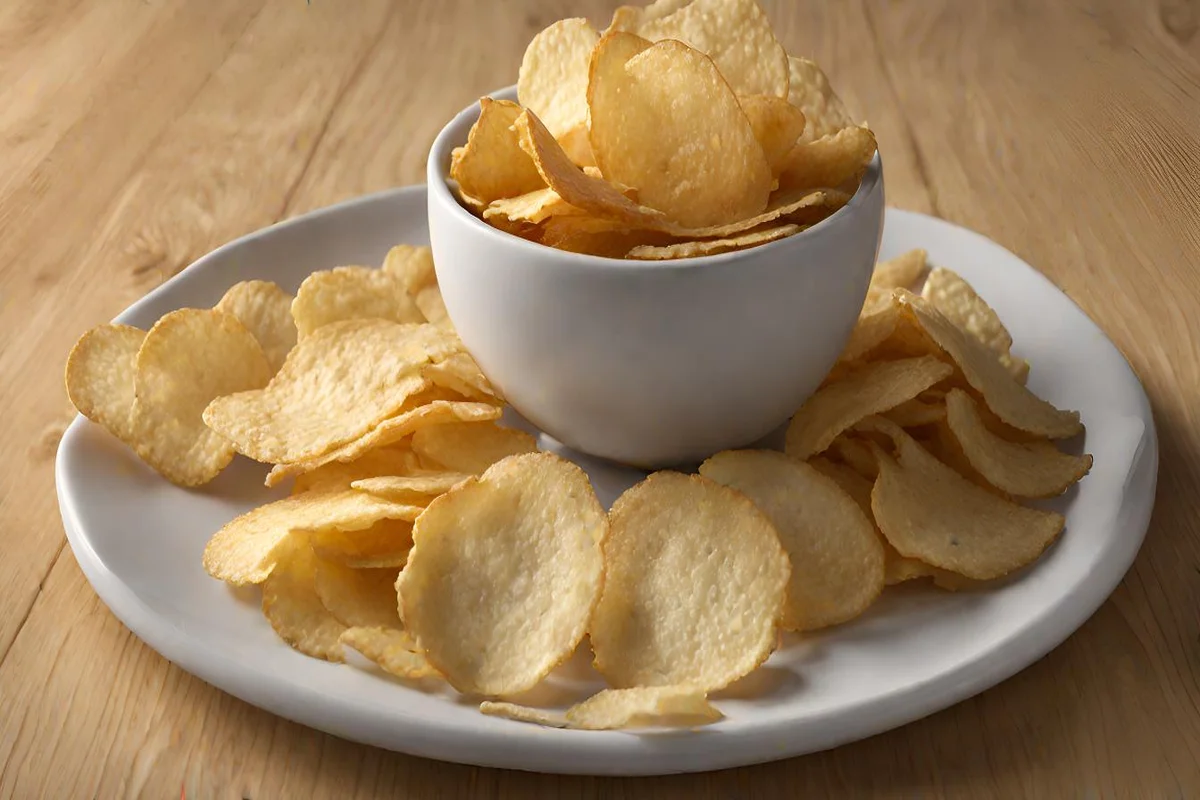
344	293
99	377
266	311
357	596
291	604
469	447
392	649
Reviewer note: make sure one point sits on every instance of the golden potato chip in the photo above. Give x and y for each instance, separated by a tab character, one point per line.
433	307
955	298
460	374
941	444
266	311
694	585
469	447
807	206
777	126
390	431
901	272
930	512
336	385
848	479
536	206
875	387
413	265
553	78
518	713
630	18
830	161
188	358
666	122
837	560
290	603
100	380
244	551
855	454
708	247
577	147
394	460
1033	469
1011	401
916	412
414	489
735	34
393	650
809	91
385	544
504	574
492	164
343	293
684	706
872	329
357	597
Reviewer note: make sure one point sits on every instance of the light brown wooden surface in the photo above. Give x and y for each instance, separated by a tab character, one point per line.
136	135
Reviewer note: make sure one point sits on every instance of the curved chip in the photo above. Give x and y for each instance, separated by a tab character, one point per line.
710	247
290	603
955	298
386	543
395	460
469	447
460	374
492	164
829	161
837	560
810	91
189	358
365	597
344	293
683	706
413	265
416	489
99	377
266	311
1033	469
519	713
901	272
777	125
916	412
694	586
875	324
392	650
504	574
552	81
875	387
536	206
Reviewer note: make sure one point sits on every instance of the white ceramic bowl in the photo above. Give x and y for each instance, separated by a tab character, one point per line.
652	363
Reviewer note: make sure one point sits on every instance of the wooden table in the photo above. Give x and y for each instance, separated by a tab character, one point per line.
139	134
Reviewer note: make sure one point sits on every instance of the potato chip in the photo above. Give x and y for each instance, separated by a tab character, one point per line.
787	204
777	126
855	454
666	122
708	247
393	650
875	387
683	706
357	597
916	412
938	440
266	311
1011	401
848	479
415	489
290	603
901	272
460	374
469	447
735	34
387	543
244	551
518	713
413	265
188	358
344	293
535	206
929	512
504	574
433	307
394	460
336	385
955	298
837	561
99	377
492	164
694	586
809	91
872	329
577	147
630	18
553	78
830	161
1034	469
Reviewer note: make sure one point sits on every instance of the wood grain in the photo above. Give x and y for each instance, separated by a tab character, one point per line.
138	135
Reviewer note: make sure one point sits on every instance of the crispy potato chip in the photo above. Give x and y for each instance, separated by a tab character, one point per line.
393	650
875	387
266	311
777	126
100	380
683	706
855	454
244	551
809	90
188	358
492	164
385	544
553	78
805	206
577	147
916	412
394	460
710	247
939	442
955	298
848	479
666	122
1011	401
830	161
413	265
504	574
694	586
460	374
433	307
469	447
901	272
874	327
518	713
336	385
735	34
357	597
1034	469
604	240
536	206
630	18
837	561
290	603
344	293
414	489
930	512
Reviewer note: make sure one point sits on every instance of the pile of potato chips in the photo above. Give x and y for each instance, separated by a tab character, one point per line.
683	130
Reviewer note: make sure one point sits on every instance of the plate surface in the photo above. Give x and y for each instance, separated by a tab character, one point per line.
139	541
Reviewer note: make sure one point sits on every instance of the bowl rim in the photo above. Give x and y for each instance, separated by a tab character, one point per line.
437	179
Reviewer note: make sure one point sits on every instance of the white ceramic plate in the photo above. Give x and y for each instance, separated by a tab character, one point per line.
139	541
